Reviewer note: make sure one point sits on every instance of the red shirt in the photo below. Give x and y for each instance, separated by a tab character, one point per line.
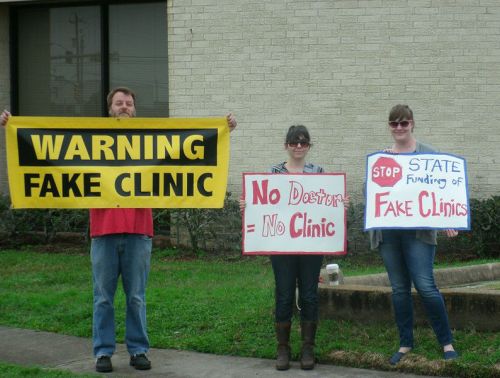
121	221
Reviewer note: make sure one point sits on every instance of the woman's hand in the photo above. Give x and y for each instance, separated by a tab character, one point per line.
347	202
450	233
243	204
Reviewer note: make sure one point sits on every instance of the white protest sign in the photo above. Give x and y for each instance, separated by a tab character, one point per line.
416	191
294	213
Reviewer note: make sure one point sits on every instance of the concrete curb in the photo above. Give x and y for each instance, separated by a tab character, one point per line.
371	301
444	277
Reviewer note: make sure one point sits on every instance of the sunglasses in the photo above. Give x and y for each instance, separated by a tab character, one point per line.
299	143
395	124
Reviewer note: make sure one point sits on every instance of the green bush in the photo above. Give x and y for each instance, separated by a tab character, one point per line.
219	230
357	238
484	237
44	223
209	229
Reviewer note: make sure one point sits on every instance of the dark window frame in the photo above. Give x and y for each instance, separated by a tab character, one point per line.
105	72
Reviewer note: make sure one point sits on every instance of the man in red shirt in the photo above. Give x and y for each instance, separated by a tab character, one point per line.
121	244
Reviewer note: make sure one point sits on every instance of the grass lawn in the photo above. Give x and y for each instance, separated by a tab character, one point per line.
220	307
13	371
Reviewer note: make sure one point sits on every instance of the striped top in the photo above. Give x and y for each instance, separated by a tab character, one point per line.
308	168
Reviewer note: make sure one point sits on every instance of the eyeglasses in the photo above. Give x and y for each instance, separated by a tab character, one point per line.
299	143
403	124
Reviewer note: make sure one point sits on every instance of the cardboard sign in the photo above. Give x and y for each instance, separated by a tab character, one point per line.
294	214
62	162
416	191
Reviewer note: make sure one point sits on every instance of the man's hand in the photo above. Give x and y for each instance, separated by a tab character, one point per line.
5	117
231	121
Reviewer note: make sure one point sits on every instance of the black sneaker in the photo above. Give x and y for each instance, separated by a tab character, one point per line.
140	362
103	364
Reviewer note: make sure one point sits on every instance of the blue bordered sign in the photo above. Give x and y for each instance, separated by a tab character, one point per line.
419	191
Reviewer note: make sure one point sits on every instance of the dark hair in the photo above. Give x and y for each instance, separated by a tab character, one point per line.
297	133
127	91
400	112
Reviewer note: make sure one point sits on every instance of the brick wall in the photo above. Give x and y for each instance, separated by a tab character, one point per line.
338	67
4	90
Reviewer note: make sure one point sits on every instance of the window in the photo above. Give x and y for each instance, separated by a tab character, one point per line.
68	57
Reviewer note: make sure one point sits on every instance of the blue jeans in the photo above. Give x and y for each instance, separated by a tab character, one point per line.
128	255
291	271
408	260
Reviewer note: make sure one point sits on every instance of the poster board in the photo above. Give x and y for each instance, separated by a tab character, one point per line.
294	214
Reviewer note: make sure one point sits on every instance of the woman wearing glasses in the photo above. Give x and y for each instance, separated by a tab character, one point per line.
408	255
291	271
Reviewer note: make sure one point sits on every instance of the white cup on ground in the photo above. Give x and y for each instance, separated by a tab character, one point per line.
333	274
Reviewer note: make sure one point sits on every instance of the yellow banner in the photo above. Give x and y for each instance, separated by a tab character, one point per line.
63	162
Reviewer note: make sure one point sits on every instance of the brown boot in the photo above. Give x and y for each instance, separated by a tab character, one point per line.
307	359
283	337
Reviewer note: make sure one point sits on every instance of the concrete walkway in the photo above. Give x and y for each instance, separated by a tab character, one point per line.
51	350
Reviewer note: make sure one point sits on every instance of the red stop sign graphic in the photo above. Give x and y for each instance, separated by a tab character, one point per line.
386	172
